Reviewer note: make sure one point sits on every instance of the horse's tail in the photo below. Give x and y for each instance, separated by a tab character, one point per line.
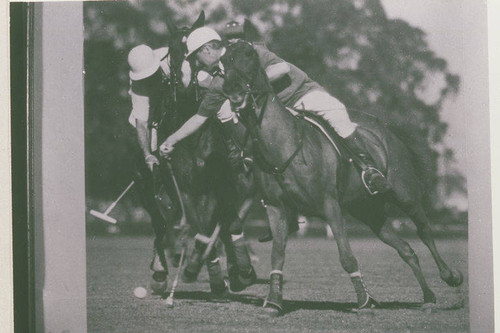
422	157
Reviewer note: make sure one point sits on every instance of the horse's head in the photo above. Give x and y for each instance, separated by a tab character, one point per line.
233	31
243	75
177	43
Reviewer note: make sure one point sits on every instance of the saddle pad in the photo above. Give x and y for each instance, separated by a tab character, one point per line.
319	126
371	138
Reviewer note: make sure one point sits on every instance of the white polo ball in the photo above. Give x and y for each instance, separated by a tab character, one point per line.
140	292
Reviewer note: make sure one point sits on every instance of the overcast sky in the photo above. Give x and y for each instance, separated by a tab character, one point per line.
443	22
455	30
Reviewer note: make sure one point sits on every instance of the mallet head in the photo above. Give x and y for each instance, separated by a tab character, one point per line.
170	302
103	216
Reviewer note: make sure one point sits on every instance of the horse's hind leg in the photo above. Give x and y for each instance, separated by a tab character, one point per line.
373	215
451	276
218	285
348	261
388	236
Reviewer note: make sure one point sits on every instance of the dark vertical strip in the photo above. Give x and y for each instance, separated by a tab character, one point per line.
23	288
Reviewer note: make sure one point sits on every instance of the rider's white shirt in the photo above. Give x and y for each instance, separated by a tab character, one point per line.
140	104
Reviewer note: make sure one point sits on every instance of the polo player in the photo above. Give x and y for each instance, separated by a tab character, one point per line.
294	89
149	73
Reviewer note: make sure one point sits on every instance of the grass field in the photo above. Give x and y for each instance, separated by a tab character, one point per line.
319	295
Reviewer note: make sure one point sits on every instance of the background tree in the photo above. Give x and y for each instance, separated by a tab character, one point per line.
371	63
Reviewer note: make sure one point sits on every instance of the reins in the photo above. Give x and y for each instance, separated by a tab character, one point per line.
257	141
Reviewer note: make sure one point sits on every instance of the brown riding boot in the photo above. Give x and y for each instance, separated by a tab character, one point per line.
374	180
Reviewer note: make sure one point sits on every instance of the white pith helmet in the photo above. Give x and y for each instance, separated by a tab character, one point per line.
143	62
199	37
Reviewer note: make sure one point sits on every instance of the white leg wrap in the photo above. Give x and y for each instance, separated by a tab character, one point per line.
234	238
216	260
355	274
276	271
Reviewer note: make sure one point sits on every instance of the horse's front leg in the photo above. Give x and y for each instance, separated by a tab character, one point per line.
333	212
159	263
279	229
144	181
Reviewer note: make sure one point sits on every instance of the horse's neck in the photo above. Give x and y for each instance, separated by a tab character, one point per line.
278	131
177	112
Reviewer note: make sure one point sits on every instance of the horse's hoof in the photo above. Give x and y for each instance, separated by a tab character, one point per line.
272	310
266	237
188	276
159	282
220	293
238	282
454	278
429	297
370	303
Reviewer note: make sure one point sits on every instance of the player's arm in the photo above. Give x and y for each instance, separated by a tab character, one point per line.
190	126
143	136
139	118
275	67
209	107
277	71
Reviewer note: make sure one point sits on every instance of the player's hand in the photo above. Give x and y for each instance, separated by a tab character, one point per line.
151	161
167	147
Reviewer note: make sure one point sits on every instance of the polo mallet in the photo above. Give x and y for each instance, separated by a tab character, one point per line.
183	221
210	241
170	299
104	216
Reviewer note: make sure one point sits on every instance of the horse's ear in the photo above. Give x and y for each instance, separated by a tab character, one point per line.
171	26
200	21
252	34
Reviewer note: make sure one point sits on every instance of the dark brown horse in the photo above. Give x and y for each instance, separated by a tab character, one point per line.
174	104
300	171
201	170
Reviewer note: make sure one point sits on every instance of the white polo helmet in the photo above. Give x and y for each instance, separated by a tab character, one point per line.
143	62
199	37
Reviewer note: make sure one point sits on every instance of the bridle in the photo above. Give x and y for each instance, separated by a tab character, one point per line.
253	125
172	82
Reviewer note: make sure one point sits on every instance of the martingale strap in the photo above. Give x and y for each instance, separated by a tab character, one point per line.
264	165
268	167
